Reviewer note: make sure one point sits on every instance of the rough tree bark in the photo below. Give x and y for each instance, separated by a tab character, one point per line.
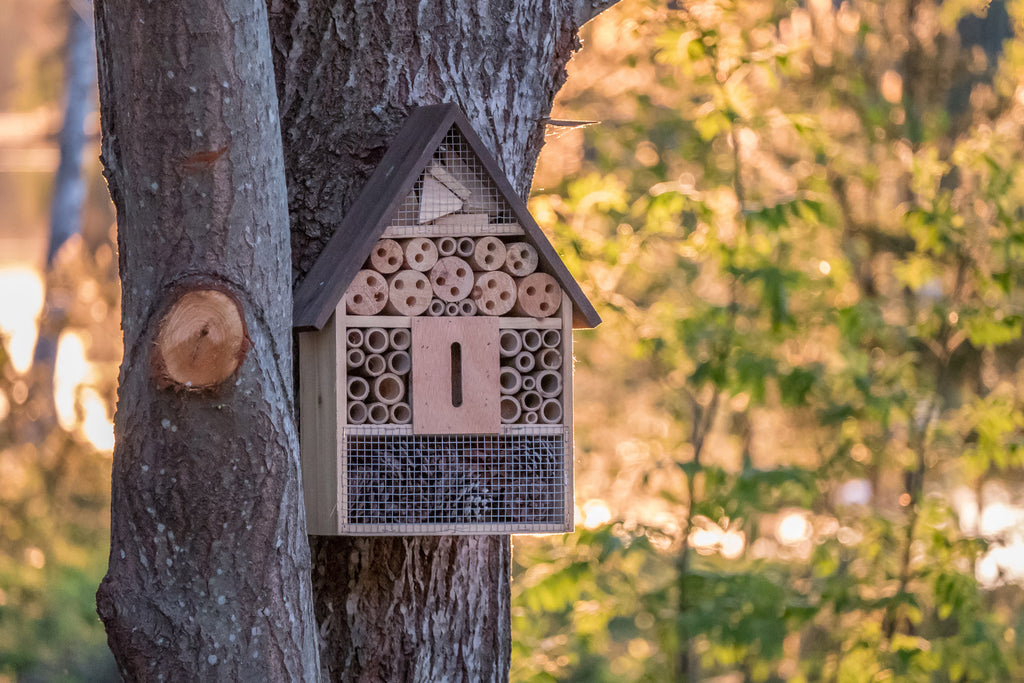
417	608
209	564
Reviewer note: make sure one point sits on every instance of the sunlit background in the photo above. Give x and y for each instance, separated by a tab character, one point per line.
800	430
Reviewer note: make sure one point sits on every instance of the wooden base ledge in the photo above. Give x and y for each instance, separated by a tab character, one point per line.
201	342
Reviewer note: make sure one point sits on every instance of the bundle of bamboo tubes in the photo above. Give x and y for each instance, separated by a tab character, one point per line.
378	363
451	276
530	378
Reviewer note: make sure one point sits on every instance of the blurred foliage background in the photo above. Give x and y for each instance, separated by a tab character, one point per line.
59	350
800	429
800	426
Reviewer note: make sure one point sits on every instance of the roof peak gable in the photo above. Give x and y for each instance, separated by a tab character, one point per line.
406	168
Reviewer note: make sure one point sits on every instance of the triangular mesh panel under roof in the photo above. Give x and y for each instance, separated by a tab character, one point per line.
454	194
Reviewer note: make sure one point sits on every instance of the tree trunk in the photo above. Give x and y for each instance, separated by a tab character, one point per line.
209	563
415	608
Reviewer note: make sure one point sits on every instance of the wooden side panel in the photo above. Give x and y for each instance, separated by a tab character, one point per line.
340	325
318	427
436	388
567	320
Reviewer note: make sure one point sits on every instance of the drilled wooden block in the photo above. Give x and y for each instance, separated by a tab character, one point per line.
386	257
538	296
409	293
488	253
494	293
419	253
452	279
367	294
521	259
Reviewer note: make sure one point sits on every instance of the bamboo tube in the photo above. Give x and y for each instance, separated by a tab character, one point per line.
358	388
467	308
436	308
510	410
386	256
356	412
409	293
388	388
399	362
524	361
367	294
451	278
529	383
375	340
550	411
465	247
355	358
451	309
520	259
419	253
375	365
494	292
400	413
537	296
400	338
551	339
530	417
446	246
377	413
549	359
509	380
549	383
354	337
488	254
531	339
509	343
529	400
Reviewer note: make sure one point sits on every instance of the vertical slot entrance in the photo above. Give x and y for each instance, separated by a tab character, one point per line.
456	374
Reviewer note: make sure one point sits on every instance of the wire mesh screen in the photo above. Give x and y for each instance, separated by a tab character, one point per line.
399	483
454	195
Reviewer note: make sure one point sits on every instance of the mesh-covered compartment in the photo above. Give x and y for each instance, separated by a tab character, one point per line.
397	482
455	174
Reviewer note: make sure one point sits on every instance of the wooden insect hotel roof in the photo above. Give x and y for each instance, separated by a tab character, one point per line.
407	168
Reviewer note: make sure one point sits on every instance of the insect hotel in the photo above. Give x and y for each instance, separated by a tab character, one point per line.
435	351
